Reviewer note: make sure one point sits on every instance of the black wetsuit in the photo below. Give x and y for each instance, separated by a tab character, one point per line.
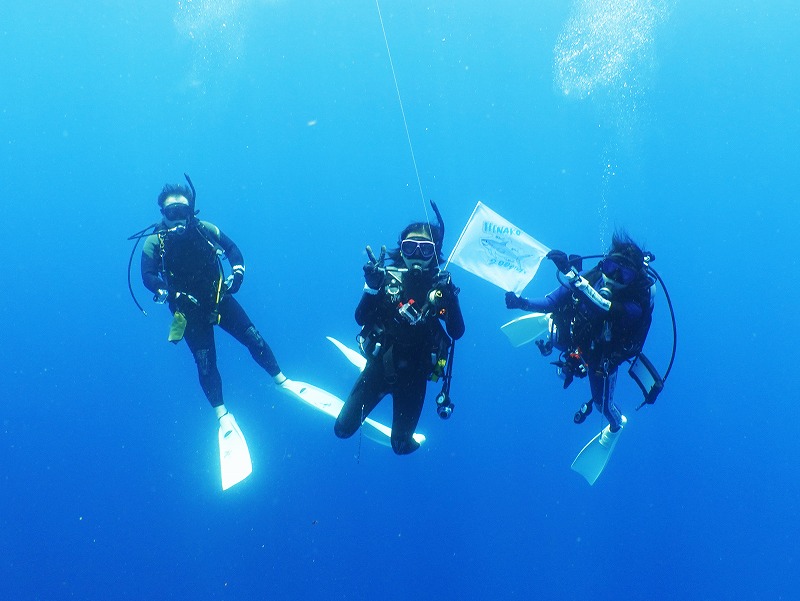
187	266
405	359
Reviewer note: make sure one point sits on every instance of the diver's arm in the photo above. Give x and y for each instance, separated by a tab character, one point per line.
374	281
570	276
454	319
628	310
450	309
151	269
546	304
367	307
537	305
232	251
582	284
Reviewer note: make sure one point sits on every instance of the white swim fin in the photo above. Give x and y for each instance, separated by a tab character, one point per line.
324	401
234	456
592	459
354	357
528	328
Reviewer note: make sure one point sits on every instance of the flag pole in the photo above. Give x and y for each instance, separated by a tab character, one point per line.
461	236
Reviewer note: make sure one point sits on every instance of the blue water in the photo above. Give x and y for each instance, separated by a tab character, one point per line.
677	120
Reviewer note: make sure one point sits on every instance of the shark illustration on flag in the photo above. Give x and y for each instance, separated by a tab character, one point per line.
497	251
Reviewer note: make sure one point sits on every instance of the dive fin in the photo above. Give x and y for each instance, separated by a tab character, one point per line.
234	456
320	399
592	459
386	432
354	357
324	401
527	328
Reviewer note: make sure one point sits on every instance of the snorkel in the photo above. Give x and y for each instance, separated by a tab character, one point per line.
193	201
439	220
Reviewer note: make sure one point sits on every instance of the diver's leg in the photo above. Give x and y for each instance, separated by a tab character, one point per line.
235	321
200	339
603	396
408	397
369	389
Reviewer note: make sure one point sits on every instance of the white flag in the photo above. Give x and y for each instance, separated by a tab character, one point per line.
497	251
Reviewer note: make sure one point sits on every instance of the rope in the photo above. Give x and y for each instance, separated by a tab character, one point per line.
403	112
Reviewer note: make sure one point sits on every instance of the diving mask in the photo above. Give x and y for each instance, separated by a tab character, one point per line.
413	248
176	212
617	272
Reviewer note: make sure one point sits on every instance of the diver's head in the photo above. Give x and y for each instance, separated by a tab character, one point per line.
417	247
420	245
624	264
177	205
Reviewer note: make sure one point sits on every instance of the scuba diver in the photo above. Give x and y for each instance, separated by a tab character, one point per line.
402	337
600	319
181	265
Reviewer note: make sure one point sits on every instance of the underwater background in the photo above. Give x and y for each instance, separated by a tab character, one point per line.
677	120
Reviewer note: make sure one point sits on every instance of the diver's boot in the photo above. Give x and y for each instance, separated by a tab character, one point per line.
608	438
279	378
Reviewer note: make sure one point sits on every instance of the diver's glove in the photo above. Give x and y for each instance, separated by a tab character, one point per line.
160	296
561	260
234	281
514	302
442	280
374	271
444	283
443	293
